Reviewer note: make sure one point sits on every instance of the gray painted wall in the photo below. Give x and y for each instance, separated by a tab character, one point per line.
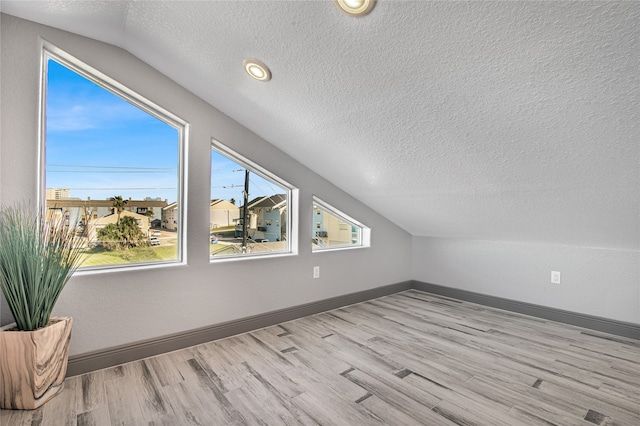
601	282
120	307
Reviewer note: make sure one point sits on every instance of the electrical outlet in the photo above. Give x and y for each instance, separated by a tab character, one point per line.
316	272
555	277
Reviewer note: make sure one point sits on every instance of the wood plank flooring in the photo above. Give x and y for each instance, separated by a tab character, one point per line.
407	359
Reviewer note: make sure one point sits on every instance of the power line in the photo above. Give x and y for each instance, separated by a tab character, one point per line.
109	167
119	188
273	191
107	171
232	186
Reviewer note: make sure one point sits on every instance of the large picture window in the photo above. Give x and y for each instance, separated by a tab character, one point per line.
335	230
112	166
252	211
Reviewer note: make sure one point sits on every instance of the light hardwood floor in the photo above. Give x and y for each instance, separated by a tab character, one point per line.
406	359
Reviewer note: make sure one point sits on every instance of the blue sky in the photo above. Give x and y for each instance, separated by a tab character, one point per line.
100	146
227	181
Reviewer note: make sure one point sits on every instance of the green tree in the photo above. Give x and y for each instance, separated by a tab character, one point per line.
122	235
110	236
118	205
131	232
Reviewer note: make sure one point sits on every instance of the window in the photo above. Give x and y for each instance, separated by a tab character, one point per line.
336	230
113	160
263	213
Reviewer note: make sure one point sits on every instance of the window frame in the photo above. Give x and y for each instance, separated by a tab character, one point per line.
292	204
364	237
50	51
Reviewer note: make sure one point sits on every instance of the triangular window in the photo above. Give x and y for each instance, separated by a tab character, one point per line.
252	210
333	229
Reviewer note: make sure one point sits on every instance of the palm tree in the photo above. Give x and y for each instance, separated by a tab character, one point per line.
87	211
118	205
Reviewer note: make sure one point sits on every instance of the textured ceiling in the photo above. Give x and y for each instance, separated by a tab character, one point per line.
486	120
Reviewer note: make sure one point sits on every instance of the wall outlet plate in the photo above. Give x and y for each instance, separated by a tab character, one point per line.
316	272
555	277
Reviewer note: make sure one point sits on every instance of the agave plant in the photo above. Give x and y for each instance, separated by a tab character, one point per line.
38	255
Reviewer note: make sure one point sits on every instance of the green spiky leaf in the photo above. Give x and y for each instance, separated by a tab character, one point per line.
38	255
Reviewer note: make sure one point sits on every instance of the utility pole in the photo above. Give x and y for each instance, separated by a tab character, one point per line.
245	194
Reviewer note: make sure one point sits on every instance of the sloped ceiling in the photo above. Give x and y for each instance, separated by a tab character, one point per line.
486	120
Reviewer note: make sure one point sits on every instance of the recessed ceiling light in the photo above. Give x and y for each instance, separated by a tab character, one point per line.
257	69
355	7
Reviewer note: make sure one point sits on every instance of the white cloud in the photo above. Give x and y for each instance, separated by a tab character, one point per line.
65	117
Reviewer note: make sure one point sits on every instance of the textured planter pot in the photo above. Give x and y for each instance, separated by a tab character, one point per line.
33	364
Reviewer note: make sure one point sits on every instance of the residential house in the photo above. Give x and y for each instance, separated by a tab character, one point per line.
144	223
79	211
268	218
331	229
170	217
222	213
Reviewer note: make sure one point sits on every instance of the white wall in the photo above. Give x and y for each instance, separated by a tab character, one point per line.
595	281
120	307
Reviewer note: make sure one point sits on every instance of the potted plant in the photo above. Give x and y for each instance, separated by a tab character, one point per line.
38	255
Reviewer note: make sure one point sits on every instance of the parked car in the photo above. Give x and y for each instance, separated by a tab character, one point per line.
156	233
154	241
